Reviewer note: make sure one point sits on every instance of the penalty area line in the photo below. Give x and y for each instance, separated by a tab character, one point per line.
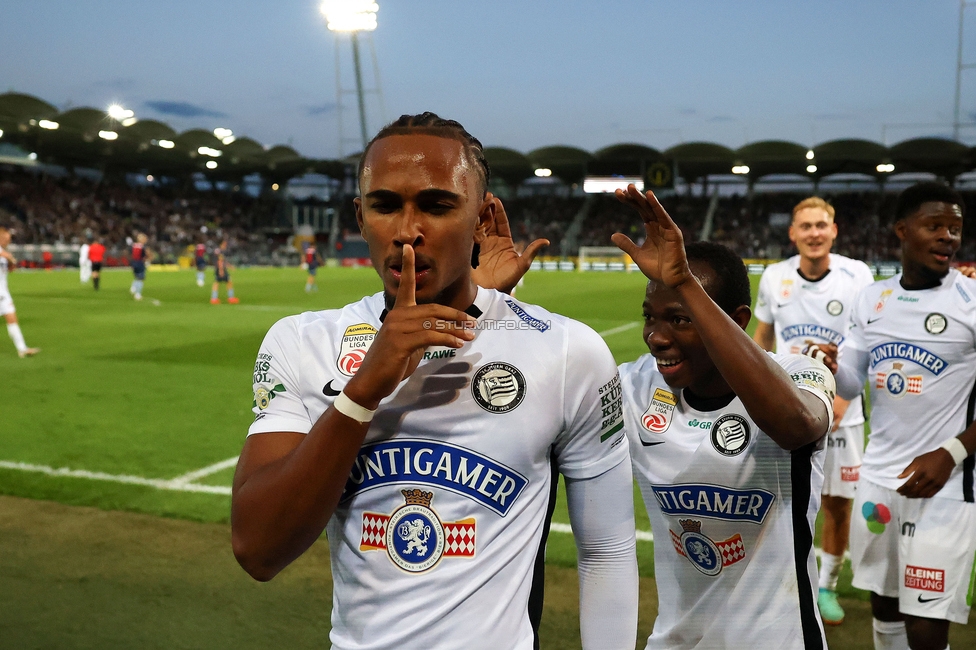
160	484
618	330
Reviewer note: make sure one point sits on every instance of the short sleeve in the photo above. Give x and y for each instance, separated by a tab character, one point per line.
593	440
277	402
812	376
764	310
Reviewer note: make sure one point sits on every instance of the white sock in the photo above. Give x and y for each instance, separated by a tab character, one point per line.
13	329
890	635
829	570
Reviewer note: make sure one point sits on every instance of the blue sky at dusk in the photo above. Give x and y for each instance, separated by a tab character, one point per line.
517	74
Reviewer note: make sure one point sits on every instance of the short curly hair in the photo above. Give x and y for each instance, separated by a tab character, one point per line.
732	288
912	198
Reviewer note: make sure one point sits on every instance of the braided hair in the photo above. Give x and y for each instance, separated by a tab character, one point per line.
428	123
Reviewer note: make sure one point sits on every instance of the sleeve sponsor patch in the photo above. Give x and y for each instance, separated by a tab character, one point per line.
611	401
815	379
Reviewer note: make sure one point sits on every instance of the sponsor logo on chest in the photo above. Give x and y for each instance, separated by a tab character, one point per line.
908	352
353	347
812	330
460	470
714	502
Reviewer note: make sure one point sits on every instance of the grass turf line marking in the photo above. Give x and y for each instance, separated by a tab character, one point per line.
618	330
160	484
205	471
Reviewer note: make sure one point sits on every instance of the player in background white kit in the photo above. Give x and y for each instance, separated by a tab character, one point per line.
727	445
84	264
913	338
436	509
7	310
803	300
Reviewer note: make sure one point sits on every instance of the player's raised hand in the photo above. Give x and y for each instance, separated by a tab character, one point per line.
825	353
500	265
926	474
408	330
662	255
967	270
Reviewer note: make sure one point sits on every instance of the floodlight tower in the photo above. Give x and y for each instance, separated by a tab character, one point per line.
352	17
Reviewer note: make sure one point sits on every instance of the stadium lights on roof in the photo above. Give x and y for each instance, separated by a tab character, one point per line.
225	135
108	135
165	144
609	184
118	113
48	124
274	186
129	121
809	154
211	164
350	15
885	168
740	169
208	151
1	133
543	172
811	169
32	156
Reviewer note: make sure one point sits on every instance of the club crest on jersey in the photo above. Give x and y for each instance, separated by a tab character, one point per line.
498	387
705	555
414	537
786	289
352	350
935	323
835	307
897	383
882	299
730	434
657	417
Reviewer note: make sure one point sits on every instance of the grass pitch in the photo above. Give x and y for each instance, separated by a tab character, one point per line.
141	407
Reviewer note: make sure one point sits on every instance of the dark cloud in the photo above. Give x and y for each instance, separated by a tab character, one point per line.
321	109
182	109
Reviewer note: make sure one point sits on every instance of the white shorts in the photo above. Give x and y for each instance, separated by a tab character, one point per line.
921	551
842	461
6	304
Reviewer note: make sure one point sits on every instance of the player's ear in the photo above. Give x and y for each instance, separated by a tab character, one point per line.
900	229
486	218
742	315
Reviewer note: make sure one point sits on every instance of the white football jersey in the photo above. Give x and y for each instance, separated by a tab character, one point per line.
436	535
732	513
920	349
3	273
804	312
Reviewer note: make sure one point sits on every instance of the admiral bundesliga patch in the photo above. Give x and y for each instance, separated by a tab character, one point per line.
355	343
705	555
414	537
657	417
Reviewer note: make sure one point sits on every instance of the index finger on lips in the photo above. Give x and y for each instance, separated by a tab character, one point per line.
407	291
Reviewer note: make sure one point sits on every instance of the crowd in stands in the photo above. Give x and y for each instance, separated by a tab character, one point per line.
48	209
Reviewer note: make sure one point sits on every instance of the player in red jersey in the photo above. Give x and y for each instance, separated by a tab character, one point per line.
312	261
200	259
222	276
140	256
96	253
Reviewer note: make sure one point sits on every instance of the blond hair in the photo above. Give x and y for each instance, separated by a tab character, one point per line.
814	202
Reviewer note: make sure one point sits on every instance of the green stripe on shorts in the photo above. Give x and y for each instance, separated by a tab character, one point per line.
972	584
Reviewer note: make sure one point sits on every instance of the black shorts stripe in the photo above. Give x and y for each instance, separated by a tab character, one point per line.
538	590
801	469
969	465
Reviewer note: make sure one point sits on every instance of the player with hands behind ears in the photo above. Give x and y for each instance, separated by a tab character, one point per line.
714	421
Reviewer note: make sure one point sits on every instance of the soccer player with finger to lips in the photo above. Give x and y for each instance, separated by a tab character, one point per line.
423	427
912	337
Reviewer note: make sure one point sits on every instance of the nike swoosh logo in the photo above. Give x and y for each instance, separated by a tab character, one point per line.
329	391
873	320
780	305
651	444
928	600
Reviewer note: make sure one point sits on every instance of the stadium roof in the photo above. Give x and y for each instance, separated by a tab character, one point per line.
88	137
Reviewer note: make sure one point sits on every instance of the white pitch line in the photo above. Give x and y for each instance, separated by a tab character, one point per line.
618	330
206	471
160	484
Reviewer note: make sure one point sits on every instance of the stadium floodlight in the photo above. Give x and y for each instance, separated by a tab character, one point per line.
809	154
543	172
811	169
118	113
274	187
149	178
225	135
885	168
740	169
211	164
350	15
208	151
1	133
48	124
108	135
610	184
32	156
165	144
129	121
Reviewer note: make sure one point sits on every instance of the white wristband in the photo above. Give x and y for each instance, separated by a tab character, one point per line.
351	409
956	449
